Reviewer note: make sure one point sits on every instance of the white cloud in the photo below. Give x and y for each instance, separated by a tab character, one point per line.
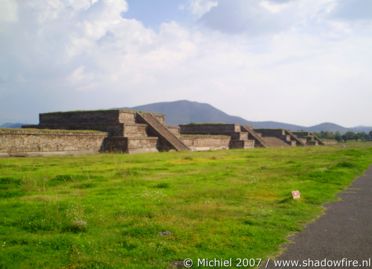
274	7
61	54
200	7
258	17
8	12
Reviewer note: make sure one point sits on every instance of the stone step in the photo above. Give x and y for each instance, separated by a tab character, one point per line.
135	130
241	144
239	136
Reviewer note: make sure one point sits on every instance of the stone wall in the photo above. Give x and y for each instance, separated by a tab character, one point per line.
126	133
18	142
206	142
303	134
238	138
174	129
105	120
111	121
217	129
271	132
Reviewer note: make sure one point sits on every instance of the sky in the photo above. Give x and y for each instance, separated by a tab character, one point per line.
296	61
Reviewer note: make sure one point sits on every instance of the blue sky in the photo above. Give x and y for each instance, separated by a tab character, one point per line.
153	13
298	61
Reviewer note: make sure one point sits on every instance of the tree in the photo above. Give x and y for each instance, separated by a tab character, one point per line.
361	136
349	136
326	135
338	137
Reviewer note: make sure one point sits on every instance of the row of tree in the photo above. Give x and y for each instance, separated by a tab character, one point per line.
358	136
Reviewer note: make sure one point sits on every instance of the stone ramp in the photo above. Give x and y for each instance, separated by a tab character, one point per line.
271	141
295	138
161	131
316	138
320	142
259	141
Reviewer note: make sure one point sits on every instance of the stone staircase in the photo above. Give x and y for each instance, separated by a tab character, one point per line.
294	138
278	137
134	138
240	140
154	127
258	140
320	142
309	138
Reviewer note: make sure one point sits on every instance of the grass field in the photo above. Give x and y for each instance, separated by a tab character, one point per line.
149	210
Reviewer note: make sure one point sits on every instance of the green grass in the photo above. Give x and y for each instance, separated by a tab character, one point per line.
108	210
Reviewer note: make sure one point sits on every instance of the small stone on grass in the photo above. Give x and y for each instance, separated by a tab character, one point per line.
176	265
78	226
165	233
296	195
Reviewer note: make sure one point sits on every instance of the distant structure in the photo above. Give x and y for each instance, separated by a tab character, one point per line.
130	131
309	138
236	137
279	138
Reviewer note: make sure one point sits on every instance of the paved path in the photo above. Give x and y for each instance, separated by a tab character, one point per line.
344	231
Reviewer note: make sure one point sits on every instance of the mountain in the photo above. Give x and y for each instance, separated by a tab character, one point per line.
181	112
364	129
11	125
184	111
328	127
275	125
